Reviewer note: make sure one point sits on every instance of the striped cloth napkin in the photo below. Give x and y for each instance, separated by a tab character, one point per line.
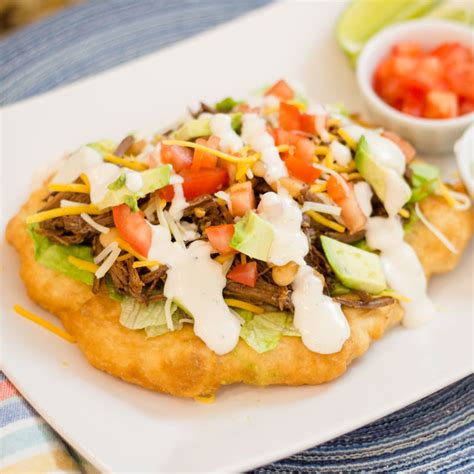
27	442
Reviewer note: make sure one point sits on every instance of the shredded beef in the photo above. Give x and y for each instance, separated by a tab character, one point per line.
54	199
263	293
367	303
124	145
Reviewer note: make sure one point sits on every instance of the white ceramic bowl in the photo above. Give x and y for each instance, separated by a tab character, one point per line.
431	136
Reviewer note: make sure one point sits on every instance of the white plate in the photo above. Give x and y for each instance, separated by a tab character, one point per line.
120	427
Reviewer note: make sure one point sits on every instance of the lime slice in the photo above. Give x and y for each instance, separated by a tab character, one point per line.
364	18
462	11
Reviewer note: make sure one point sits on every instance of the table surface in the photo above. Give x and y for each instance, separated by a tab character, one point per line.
434	434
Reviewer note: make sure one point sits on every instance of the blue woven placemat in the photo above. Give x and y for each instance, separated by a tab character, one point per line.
435	434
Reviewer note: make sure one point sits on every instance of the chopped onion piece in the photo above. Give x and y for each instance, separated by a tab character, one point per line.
318	207
100	228
463	201
169	319
437	233
108	262
67	203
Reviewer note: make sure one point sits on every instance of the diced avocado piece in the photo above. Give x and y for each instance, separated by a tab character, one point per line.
424	180
389	186
355	268
194	128
253	236
118	193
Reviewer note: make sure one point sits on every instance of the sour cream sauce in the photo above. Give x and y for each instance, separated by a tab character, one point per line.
221	127
402	269
197	282
254	133
179	203
78	162
320	320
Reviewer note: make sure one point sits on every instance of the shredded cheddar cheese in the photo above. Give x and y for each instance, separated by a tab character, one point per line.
332	122
225	156
318	188
404	213
347	138
146	263
128	248
72	188
85	179
133	165
326	222
352	176
62	211
82	264
223	258
444	191
328	160
321	150
124	257
43	323
344	169
243	305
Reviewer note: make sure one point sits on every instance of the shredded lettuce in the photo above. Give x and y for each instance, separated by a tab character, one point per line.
226	105
150	317
424	180
55	256
262	332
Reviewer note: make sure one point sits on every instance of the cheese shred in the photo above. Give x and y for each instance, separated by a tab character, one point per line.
225	156
72	188
43	323
326	222
133	165
62	211
244	305
82	264
146	263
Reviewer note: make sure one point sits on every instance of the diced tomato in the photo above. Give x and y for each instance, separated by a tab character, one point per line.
336	190
466	106
407	48
440	105
406	147
351	213
180	157
220	236
245	273
289	117
461	79
203	159
308	123
205	181
133	228
452	53
167	193
242	198
305	149
283	137
281	90
432	84
301	169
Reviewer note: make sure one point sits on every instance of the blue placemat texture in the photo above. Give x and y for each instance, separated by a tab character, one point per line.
435	434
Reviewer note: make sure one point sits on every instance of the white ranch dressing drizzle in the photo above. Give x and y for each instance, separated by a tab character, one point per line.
179	203
254	134
341	153
78	162
402	269
196	281
390	156
221	127
283	213
99	178
319	319
133	180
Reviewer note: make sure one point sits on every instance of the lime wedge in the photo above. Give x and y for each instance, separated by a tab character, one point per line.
364	18
462	11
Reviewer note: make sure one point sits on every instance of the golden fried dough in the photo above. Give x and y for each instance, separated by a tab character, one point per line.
179	363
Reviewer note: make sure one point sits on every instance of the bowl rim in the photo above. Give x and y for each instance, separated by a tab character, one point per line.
396	31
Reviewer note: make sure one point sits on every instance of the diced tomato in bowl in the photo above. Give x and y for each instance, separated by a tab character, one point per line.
435	84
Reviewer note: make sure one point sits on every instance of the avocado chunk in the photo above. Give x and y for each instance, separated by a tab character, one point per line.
355	268
389	186
194	128
253	236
